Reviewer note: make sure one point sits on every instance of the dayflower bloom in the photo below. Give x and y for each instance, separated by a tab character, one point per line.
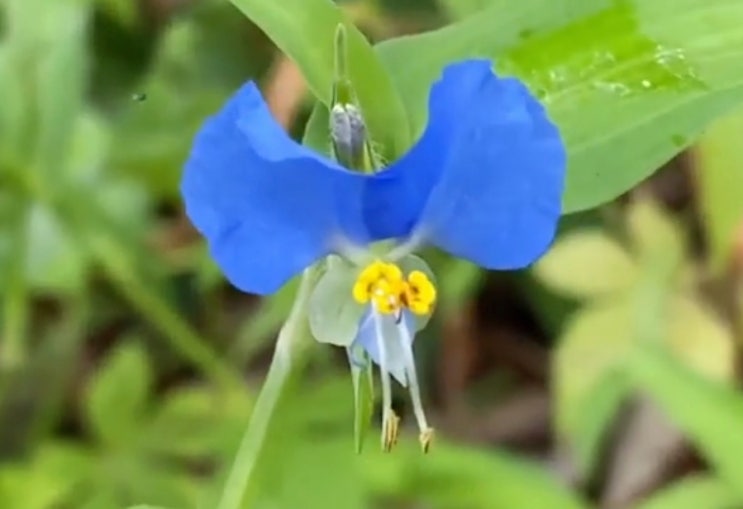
483	182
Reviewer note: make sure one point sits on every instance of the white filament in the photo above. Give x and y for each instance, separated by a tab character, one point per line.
407	347
383	368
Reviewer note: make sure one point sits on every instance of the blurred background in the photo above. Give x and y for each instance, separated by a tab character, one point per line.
119	339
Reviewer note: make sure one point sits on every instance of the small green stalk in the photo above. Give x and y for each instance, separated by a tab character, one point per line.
292	349
15	304
351	145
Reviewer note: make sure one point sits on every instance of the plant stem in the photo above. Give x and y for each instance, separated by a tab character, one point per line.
291	351
15	306
116	252
180	335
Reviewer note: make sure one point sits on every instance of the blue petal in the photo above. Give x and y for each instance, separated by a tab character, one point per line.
501	163
267	206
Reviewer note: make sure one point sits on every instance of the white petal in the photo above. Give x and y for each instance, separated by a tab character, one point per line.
396	361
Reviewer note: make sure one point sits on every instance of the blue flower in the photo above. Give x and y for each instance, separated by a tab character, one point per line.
483	182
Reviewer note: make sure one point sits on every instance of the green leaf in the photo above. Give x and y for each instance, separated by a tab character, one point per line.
699	338
598	339
658	240
316	427
124	11
587	263
145	507
703	409
24	487
593	416
89	147
118	394
304	30
197	423
461	477
695	492
459	9
47	480
55	263
162	127
630	85
61	81
160	485
719	158
14	117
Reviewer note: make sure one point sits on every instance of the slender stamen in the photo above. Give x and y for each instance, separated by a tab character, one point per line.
426	432
390	420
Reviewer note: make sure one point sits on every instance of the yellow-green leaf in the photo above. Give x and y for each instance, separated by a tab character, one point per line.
586	264
719	158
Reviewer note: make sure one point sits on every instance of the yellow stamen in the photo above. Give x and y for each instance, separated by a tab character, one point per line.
383	284
390	431
386	296
420	293
426	437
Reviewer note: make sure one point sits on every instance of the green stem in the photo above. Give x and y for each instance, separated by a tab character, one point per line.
181	337
108	244
291	351
15	305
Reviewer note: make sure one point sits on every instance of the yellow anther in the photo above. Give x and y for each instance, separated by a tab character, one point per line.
363	288
384	285
390	430
425	438
361	292
420	293
391	272
387	295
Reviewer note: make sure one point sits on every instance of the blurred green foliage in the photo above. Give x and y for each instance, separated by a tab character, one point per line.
123	355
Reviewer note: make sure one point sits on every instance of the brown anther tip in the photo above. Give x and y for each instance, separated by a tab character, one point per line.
390	431
426	437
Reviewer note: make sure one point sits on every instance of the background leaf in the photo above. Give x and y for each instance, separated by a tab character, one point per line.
694	492
118	395
587	264
469	478
704	410
458	9
629	85
719	155
100	102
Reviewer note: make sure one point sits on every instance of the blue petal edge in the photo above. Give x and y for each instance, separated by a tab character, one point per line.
501	168
267	206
